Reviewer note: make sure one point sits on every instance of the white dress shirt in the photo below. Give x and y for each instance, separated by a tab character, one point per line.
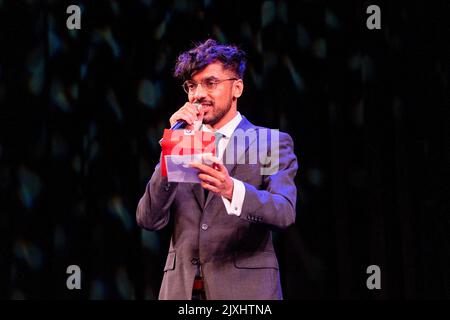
237	200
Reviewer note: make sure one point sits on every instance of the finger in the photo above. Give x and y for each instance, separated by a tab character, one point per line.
191	108
210	157
186	116
216	169
196	107
216	162
200	110
209	187
205	169
191	115
209	179
218	166
191	112
178	116
187	108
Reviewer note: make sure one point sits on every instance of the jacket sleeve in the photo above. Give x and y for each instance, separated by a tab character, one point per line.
274	204
153	210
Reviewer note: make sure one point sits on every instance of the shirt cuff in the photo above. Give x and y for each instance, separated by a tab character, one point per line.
237	199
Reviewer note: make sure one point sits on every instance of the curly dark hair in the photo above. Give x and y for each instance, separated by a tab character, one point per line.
205	53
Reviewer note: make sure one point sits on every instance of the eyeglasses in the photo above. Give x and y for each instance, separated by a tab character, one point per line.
208	84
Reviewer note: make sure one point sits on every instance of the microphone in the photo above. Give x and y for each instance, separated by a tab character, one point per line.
180	124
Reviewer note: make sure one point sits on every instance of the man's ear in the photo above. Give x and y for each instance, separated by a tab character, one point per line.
238	88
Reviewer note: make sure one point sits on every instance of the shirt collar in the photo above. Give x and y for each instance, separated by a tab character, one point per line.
228	129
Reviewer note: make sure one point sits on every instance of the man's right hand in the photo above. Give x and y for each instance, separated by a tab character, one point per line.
188	113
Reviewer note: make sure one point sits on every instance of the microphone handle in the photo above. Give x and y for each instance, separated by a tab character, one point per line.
178	125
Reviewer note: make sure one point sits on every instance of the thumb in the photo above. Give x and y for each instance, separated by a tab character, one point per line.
213	161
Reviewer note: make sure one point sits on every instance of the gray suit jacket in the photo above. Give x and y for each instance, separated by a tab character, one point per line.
236	253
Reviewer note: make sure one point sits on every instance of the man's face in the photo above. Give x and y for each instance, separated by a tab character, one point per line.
216	103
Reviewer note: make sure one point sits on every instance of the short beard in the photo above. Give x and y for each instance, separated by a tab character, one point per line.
217	117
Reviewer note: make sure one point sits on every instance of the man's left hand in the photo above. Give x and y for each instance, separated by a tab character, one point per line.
215	178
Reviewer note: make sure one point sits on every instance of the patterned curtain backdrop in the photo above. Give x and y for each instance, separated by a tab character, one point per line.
82	111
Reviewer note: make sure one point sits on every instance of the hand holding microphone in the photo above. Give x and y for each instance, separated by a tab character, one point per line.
189	116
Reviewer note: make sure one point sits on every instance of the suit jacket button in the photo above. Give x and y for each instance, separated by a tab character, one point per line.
194	261
204	226
167	187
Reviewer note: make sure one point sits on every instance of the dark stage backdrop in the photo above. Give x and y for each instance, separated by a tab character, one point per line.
82	111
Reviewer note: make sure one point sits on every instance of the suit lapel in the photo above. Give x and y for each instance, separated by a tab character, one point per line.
242	127
199	194
237	146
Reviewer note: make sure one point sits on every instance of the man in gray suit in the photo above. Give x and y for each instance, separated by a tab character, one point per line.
221	246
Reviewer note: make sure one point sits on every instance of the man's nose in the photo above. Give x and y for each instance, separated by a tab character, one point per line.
199	92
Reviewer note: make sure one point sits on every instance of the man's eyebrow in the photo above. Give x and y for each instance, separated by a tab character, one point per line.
204	79
210	78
